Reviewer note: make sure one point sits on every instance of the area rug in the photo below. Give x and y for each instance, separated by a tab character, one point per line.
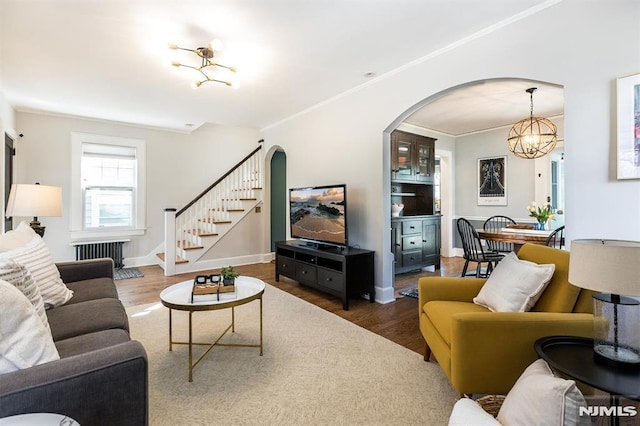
411	292
317	369
124	273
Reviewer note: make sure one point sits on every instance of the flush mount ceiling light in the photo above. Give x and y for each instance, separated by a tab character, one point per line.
207	63
532	137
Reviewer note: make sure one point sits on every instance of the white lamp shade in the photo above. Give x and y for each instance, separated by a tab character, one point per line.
34	200
608	266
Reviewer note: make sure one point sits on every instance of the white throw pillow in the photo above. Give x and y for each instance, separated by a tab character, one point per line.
24	341
35	256
20	277
540	398
467	412
515	285
16	238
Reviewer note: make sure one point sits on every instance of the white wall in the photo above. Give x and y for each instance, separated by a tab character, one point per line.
7	125
521	175
179	166
583	46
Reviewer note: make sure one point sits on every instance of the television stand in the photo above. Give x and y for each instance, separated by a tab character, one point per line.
342	272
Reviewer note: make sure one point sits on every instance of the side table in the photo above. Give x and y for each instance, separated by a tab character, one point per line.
574	357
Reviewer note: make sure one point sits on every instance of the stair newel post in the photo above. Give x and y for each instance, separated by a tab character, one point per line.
169	241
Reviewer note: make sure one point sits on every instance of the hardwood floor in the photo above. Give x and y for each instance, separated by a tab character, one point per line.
397	321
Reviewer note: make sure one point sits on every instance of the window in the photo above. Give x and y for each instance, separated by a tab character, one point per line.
108	186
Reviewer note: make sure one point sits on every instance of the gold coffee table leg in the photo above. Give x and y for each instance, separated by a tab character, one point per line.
190	349
260	325
233	319
170	328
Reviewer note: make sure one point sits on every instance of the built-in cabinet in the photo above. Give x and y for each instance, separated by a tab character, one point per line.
415	234
412	157
415	242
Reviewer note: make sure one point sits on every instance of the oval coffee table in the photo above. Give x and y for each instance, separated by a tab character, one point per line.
179	297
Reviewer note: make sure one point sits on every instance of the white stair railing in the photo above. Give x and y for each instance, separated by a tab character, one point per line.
204	215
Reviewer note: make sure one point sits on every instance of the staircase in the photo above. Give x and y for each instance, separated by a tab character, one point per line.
193	230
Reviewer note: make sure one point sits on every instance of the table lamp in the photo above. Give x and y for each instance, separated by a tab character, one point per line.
34	200
611	267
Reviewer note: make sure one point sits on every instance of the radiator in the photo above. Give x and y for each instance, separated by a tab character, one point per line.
98	249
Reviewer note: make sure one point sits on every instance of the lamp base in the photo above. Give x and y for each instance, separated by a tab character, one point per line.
35	225
619	357
615	334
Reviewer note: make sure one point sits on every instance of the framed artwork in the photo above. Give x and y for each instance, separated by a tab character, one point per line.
629	127
492	181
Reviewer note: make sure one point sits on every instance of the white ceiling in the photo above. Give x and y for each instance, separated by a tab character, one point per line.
488	105
106	59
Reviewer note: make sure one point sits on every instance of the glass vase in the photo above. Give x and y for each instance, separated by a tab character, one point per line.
540	226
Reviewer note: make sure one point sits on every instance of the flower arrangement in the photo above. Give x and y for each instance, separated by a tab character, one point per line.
541	214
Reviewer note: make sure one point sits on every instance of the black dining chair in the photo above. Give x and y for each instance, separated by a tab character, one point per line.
495	224
556	238
474	252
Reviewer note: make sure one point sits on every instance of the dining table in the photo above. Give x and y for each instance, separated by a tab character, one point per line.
517	236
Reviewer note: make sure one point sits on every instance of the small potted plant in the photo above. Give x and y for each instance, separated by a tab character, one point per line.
228	275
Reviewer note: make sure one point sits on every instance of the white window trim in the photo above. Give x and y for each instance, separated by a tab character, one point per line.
77	231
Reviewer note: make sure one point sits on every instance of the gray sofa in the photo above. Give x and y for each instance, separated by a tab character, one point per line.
102	375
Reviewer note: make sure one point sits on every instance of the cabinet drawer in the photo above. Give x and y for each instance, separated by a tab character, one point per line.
286	266
411	227
306	274
412	258
331	279
412	243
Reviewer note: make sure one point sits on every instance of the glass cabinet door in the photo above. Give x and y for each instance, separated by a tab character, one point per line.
403	160
424	161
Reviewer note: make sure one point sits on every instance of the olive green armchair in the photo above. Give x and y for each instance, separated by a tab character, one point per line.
484	352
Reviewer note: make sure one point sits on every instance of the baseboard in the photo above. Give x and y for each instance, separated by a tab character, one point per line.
202	264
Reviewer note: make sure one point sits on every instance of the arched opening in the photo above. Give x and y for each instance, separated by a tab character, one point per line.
277	187
460	148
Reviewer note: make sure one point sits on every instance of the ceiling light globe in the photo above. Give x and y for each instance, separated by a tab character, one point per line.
195	84
532	137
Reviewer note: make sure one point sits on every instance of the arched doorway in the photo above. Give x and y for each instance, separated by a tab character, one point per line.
472	97
278	198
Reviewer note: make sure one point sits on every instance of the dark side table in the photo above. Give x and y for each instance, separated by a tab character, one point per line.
574	357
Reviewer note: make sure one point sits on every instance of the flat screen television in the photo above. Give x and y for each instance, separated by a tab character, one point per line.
318	214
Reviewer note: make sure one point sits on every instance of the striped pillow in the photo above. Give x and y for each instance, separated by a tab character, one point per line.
20	277
24	342
36	258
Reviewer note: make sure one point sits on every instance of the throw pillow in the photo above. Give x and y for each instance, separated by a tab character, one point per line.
17	275
515	285
16	238
468	412
35	256
540	398
24	341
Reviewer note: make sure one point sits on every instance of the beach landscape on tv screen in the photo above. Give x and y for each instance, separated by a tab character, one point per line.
318	214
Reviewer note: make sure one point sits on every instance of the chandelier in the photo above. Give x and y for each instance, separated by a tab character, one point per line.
207	64
532	137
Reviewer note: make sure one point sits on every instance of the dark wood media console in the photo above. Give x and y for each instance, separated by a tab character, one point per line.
342	272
